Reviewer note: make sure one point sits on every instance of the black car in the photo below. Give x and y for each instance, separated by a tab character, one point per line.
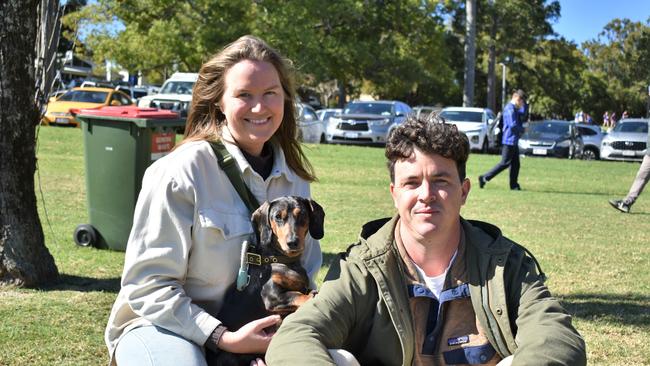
551	138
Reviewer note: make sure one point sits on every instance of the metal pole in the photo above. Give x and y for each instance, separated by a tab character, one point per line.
503	84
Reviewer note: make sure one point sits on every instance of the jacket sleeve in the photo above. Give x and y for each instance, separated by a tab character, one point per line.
157	255
544	334
511	122
325	322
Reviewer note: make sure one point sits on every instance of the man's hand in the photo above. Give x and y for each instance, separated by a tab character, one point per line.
251	338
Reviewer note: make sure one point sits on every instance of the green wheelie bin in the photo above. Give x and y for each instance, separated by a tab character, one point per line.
119	144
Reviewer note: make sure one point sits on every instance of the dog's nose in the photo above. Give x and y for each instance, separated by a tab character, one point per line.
293	244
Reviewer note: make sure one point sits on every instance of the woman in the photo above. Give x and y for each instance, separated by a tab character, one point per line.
189	223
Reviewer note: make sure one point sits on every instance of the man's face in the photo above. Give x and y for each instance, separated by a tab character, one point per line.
519	101
428	195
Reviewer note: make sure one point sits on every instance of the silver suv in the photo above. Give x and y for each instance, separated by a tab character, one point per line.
367	122
626	141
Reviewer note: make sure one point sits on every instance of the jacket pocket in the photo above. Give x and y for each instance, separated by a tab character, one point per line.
229	224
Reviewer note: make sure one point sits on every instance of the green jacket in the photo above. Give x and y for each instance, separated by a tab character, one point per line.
363	306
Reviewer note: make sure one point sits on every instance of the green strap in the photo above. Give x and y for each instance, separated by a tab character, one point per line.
229	166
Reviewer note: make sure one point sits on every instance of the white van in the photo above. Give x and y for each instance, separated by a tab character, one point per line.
175	94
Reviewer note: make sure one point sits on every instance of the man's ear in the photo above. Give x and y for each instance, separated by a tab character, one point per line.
260	220
316	220
466	186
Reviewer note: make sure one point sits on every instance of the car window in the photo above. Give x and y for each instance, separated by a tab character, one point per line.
383	109
310	115
640	127
549	128
177	87
464	116
84	96
584	131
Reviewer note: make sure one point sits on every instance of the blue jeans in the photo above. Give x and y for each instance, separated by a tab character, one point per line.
509	159
151	345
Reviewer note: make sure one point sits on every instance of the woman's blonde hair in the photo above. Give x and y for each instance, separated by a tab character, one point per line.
205	119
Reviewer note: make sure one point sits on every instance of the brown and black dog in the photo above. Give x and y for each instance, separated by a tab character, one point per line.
277	284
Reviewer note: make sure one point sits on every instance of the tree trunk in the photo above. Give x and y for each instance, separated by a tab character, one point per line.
492	55
470	52
24	259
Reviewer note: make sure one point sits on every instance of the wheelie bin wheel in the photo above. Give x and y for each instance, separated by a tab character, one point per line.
85	235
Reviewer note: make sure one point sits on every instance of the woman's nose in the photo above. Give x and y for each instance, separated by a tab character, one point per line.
258	105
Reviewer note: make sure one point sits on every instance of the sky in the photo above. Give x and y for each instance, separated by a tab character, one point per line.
582	20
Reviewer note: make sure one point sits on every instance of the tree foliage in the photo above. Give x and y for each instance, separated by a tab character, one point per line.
409	49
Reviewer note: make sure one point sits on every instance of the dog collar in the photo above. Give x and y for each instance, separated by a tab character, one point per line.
258	260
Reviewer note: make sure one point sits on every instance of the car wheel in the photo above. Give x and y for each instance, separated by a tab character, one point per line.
589	154
85	235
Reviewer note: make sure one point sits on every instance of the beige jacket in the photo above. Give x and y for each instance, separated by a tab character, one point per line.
184	247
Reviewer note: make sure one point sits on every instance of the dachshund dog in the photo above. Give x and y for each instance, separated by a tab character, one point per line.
277	282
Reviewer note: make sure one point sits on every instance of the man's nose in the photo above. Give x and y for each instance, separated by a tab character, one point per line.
427	192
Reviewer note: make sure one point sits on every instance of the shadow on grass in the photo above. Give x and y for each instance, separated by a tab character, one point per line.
632	309
83	284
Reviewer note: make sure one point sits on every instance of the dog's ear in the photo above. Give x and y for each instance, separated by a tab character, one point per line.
316	220
260	219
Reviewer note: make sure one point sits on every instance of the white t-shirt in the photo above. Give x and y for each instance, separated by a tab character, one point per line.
436	283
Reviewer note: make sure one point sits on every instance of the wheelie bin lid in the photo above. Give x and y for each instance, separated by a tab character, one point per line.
128	111
143	117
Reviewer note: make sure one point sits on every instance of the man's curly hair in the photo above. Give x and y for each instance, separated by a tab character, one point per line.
431	136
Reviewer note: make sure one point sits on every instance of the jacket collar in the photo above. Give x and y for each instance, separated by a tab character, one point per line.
280	167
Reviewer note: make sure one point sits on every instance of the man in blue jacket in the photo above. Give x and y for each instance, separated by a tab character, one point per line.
513	117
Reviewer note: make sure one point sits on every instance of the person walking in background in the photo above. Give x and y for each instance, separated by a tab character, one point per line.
612	120
513	127
642	177
624	115
606	119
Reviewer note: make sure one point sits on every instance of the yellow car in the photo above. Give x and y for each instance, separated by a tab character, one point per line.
58	111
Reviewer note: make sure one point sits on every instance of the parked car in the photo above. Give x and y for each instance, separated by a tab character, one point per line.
551	138
367	122
58	112
476	123
592	136
626	141
325	114
175	94
424	111
135	92
310	128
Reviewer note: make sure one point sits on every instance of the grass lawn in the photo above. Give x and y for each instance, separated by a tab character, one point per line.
597	260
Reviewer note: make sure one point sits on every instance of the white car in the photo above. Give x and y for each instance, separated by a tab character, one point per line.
626	141
175	94
475	123
310	128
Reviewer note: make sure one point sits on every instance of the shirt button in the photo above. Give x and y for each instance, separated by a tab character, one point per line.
499	311
483	357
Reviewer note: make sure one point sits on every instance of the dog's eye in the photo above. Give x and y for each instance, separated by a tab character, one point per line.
278	217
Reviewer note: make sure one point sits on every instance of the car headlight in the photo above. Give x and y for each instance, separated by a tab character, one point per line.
381	122
334	121
473	132
606	143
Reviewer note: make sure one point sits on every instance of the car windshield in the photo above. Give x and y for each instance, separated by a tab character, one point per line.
177	87
326	115
85	96
383	109
640	127
550	128
462	116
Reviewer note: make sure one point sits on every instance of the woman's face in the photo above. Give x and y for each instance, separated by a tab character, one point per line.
253	103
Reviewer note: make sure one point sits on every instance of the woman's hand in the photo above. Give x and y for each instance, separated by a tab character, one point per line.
251	338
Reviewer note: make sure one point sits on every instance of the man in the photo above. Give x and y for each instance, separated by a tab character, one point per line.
642	177
428	287
513	127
